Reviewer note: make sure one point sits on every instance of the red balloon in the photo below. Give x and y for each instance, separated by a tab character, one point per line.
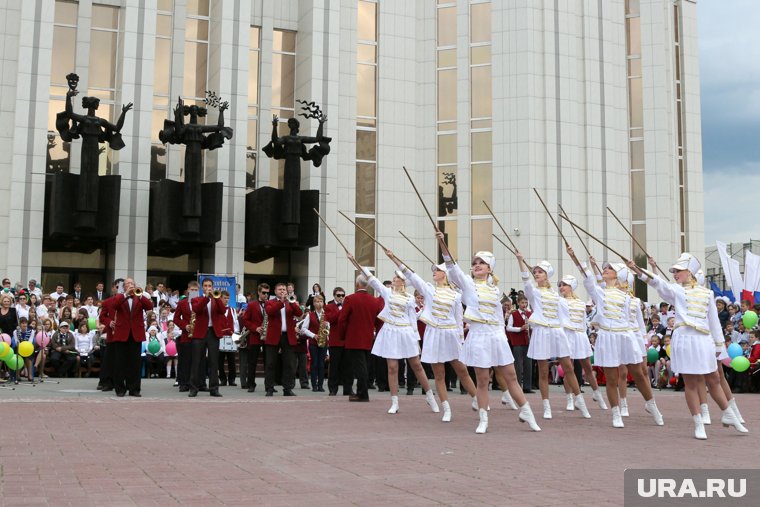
560	371
171	348
42	339
673	381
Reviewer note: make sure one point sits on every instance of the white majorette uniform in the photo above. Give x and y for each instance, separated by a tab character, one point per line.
442	315
615	344
548	338
486	344
697	335
575	323
398	338
638	328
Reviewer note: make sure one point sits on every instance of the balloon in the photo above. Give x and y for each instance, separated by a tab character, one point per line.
734	350
667	350
652	356
143	348
14	362
740	363
673	381
92	323
5	351
749	319
42	339
6	338
171	348
592	358
25	349
560	371
154	347
726	362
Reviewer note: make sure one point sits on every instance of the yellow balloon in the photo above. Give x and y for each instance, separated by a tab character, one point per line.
667	349
5	351
25	349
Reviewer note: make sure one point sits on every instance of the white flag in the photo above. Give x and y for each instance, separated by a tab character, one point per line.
731	271
751	271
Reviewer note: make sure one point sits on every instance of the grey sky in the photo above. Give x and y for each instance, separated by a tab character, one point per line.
729	47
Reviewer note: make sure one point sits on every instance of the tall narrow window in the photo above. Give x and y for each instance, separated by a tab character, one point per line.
680	136
251	153
194	83
161	87
283	91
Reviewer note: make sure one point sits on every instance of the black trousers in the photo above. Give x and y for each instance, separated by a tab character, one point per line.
229	357
254	351
341	372
156	365
317	365
184	363
288	365
201	346
126	366
106	366
359	358
63	363
243	355
301	369
523	366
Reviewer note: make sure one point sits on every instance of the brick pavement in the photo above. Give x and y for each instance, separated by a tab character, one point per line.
68	444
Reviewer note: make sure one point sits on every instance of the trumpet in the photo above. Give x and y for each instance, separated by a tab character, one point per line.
292	298
137	291
216	294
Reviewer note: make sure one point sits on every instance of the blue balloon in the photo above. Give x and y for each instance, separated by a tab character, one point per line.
734	350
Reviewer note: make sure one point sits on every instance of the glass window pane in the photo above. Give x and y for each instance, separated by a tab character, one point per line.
254	35
365	53
447	149
481	124
480	22
447	58
447	191
166	5
631	6
367	21
480	54
482	185
164	25
196	60
196	29
447	94
284	41
162	66
449	230
157	124
480	146
102	59
636	105
637	154
366	145
64	44
639	232
481	91
365	90
638	196
104	16
633	27
250	170
634	67
197	7
157	162
482	238
253	77
365	247
447	26
366	175
252	135
283	80
447	125
66	13
58	153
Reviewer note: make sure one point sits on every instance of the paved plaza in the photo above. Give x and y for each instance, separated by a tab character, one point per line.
68	444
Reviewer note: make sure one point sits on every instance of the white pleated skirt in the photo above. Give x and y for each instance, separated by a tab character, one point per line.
692	352
548	342
440	345
486	346
723	353
580	346
614	348
397	342
642	341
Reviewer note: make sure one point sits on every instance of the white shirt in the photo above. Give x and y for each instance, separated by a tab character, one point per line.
92	310
22	311
208	307
284	326
84	342
511	322
54	296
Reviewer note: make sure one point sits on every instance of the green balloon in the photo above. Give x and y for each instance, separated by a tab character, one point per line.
740	363
749	319
652	356
5	351
592	358
154	347
14	362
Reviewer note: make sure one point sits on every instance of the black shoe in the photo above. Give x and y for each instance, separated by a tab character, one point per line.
274	390
107	388
357	398
332	394
120	394
314	389
252	389
222	382
528	391
184	389
304	386
448	389
371	386
135	394
288	392
349	393
215	393
243	386
409	392
203	389
233	384
100	387
193	393
320	389
270	393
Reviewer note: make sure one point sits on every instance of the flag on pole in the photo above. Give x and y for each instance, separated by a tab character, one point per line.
731	270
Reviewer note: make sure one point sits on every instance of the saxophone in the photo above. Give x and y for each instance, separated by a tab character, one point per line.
192	324
324	332
264	325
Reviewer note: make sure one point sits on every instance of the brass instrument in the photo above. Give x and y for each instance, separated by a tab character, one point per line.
137	292
192	324
292	298
324	332
264	325
242	341
216	294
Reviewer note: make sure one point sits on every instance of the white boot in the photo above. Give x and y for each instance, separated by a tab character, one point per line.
506	399
446	411
483	424
732	404
705	409
394	405
475	403
699	428
570	406
581	404
651	407
623	407
526	415
729	419
599	398
617	419
547	410
430	399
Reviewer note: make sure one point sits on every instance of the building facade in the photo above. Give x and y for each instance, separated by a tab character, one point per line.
594	103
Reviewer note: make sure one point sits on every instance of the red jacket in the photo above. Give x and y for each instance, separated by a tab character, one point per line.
754	355
523	337
332	312
420	325
252	319
274	328
314	327
356	324
130	322
105	317
219	319
182	318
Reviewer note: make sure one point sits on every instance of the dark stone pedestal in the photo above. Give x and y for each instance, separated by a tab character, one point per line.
265	236
170	234
65	228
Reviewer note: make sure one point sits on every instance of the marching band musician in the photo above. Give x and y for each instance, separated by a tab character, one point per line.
107	313
183	315
210	325
128	334
281	336
253	321
316	327
230	349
